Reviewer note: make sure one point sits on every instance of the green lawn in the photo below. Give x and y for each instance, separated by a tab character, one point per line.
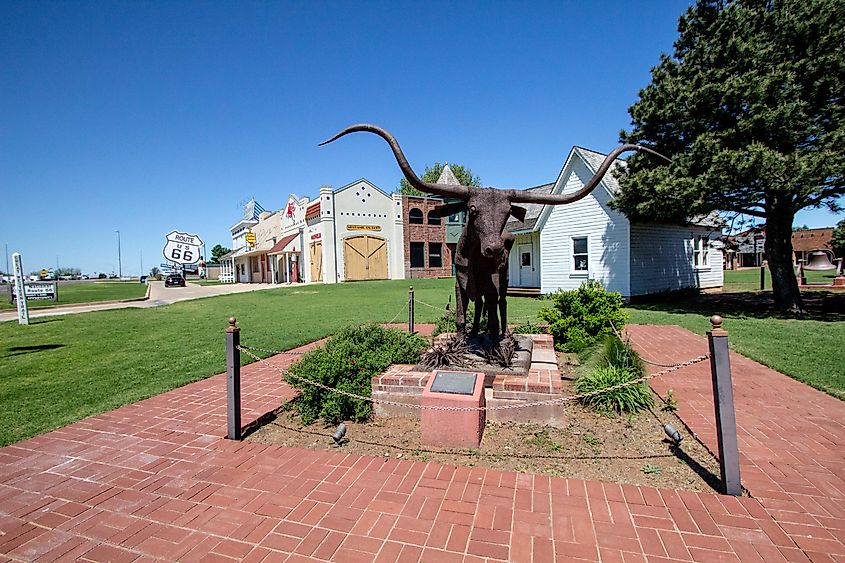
749	279
84	292
205	282
808	350
61	369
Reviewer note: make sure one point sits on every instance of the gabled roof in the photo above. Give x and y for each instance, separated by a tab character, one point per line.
359	180
448	177
533	210
592	160
589	158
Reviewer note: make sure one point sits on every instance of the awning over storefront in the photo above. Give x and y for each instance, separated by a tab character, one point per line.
287	244
233	254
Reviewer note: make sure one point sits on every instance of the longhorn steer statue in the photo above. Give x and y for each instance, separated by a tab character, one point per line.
481	256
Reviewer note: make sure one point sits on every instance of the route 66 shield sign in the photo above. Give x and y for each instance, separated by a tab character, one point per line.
182	248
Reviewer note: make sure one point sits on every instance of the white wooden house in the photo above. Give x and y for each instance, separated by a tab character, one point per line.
561	246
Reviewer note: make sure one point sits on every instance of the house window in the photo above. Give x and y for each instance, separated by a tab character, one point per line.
433	218
418	255
580	258
415	216
700	257
435	255
526	259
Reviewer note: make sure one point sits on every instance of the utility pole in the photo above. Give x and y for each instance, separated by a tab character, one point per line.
141	273
119	265
7	259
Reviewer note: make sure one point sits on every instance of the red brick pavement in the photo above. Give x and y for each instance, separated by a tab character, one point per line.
791	436
156	480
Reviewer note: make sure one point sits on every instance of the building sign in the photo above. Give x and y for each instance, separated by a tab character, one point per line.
363	227
38	291
316	236
182	248
250	238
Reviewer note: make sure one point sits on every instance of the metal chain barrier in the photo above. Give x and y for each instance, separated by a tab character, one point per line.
484	408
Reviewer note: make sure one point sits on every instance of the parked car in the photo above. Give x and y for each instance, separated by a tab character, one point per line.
174	279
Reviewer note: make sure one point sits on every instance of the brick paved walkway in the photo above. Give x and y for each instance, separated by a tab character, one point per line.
791	437
155	480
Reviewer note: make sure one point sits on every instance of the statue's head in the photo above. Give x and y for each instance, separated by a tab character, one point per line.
488	210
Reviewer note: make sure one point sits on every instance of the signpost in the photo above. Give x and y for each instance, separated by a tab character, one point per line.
182	248
23	312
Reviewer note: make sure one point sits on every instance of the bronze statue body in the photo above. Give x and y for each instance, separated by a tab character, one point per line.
481	255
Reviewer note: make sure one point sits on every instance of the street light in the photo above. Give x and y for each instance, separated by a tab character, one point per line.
119	266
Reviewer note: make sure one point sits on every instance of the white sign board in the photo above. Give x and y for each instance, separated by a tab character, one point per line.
182	248
23	311
38	291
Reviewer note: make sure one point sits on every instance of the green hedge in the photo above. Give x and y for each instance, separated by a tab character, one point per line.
349	361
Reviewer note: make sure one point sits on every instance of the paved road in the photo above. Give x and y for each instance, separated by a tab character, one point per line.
159	295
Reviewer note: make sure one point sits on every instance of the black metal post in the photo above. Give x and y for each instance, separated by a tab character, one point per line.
762	278
411	309
723	400
233	380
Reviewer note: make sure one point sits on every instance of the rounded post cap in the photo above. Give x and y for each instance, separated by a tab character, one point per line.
233	325
716	326
411	288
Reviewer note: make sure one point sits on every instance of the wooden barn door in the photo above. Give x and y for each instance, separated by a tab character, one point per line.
365	258
316	255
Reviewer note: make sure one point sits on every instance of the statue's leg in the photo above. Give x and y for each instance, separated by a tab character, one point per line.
476	321
492	316
503	313
460	309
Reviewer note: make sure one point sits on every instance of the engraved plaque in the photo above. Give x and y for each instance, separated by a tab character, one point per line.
454	382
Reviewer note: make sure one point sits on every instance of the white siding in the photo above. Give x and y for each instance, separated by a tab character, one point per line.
662	259
607	232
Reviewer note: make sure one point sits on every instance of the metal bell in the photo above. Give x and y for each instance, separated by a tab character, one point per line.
820	260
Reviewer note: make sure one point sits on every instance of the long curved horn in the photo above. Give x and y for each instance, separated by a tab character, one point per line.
521	196
445	190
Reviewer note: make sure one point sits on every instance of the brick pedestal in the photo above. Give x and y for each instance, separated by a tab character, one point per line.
452	429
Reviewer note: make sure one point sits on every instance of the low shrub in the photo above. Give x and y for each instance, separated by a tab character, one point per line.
630	399
348	362
578	317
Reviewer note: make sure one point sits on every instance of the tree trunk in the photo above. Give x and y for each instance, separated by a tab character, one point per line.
779	255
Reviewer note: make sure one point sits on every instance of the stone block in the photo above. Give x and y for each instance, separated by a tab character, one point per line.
453	429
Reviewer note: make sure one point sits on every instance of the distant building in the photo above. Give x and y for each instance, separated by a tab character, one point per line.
747	249
430	240
805	241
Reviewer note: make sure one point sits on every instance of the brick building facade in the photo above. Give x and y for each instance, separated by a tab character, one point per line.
426	253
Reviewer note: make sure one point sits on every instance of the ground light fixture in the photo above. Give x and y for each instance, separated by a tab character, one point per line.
339	433
673	434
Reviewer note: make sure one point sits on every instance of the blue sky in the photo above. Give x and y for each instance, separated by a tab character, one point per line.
153	116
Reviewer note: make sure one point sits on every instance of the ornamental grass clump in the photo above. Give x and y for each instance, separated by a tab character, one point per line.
629	399
615	362
348	362
578	317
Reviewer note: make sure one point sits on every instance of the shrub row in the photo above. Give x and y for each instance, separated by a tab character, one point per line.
349	361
